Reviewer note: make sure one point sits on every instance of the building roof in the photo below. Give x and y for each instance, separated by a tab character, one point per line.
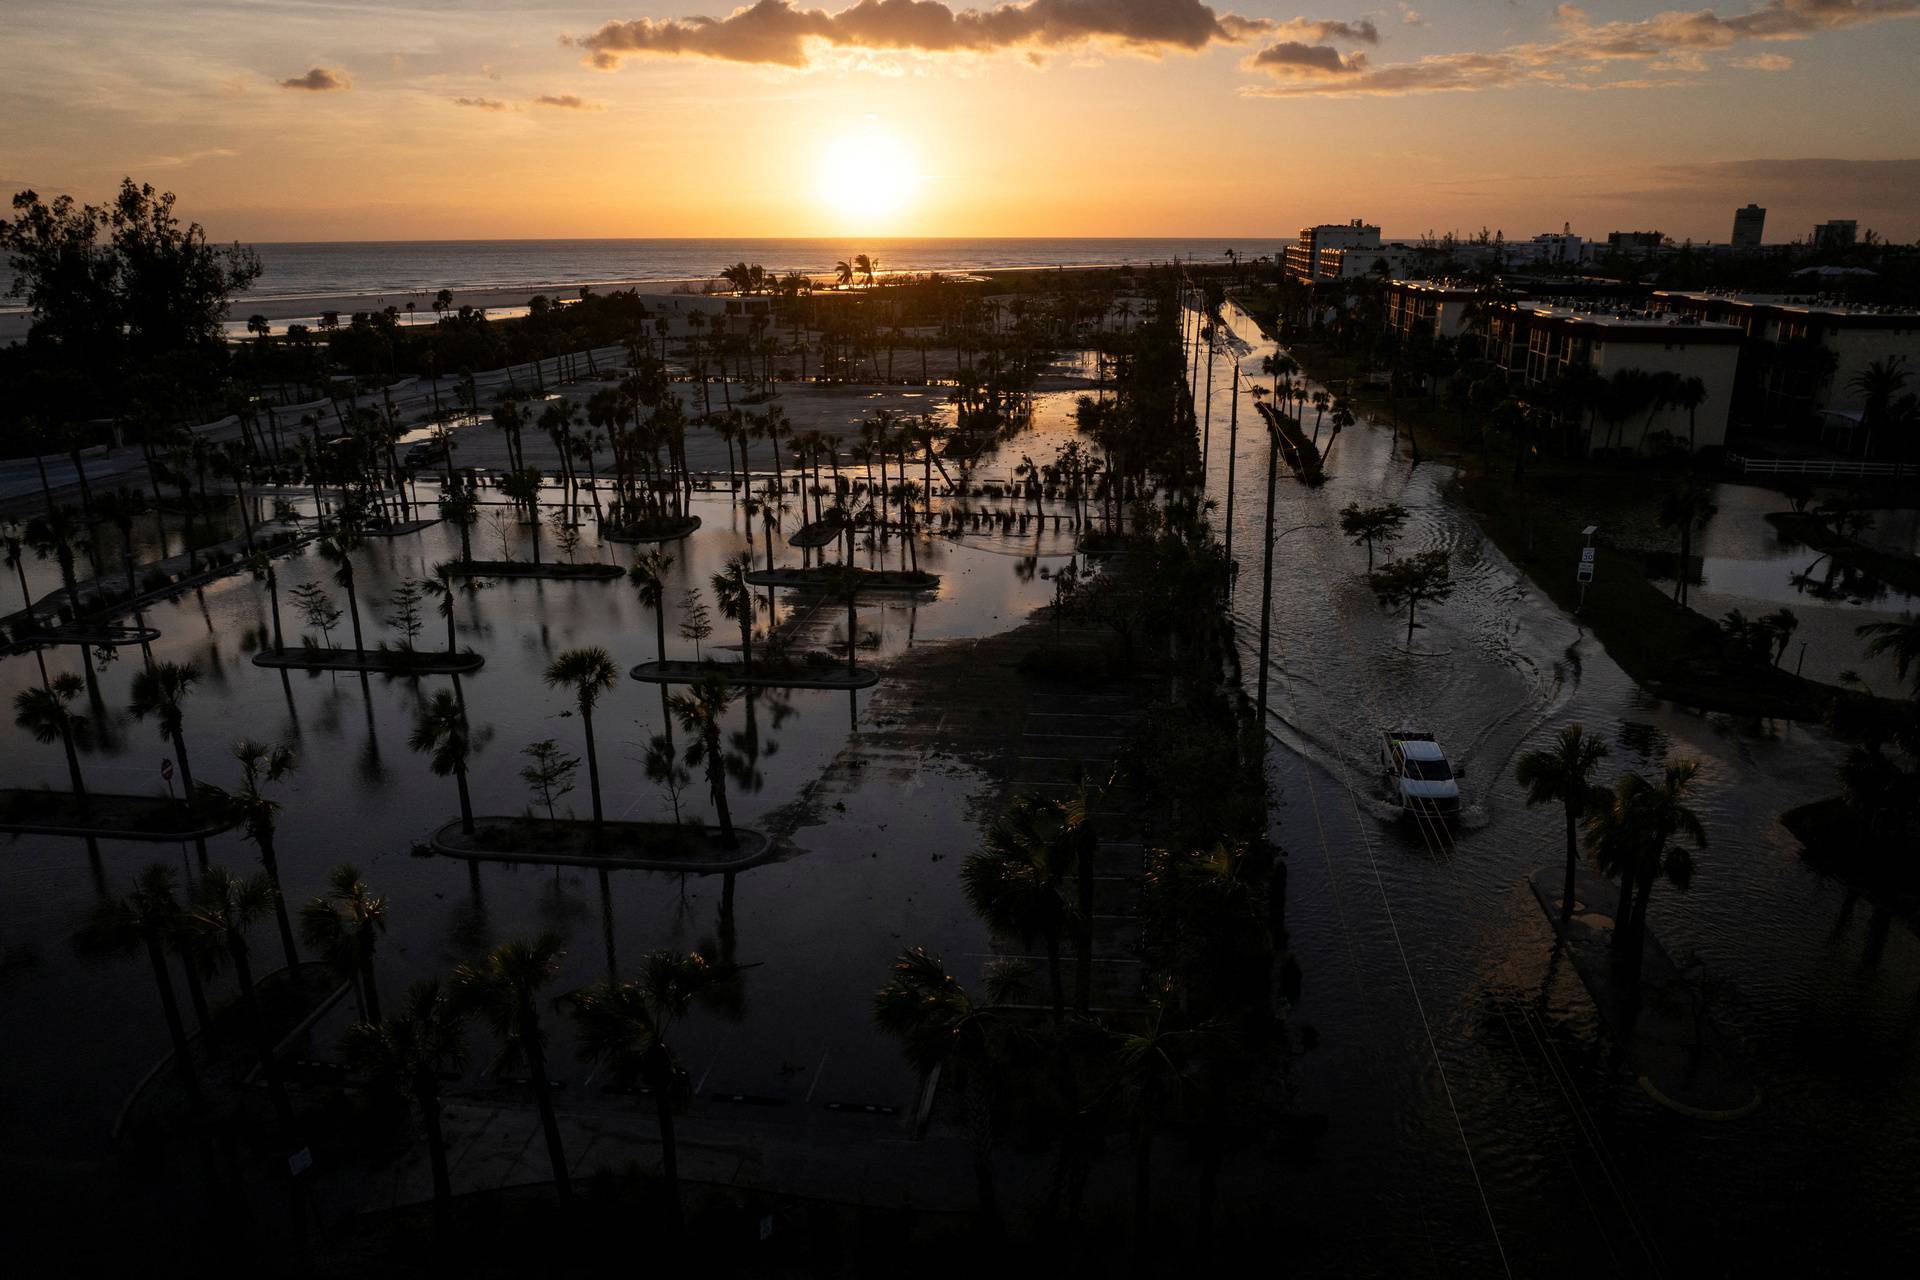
1619	324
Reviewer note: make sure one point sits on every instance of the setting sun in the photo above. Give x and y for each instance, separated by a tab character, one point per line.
867	177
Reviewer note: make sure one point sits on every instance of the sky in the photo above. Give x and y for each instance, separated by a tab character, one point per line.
405	119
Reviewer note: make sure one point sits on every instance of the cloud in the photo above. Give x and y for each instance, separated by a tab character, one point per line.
1673	42
319	79
1763	62
1410	16
1325	29
1291	58
779	33
566	100
482	104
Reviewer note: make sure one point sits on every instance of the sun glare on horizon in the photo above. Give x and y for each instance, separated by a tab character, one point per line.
868	178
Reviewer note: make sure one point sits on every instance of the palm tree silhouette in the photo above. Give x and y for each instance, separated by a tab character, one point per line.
505	989
736	599
158	691
1564	772
224	907
649	578
345	924
1901	639
338	552
699	712
940	1027
1018	883
261	764
441	730
46	712
624	1026
149	917
406	1055
589	672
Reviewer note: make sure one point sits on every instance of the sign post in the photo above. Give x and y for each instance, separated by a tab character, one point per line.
1584	574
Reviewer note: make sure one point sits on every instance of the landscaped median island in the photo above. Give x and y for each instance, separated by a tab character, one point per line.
827	577
593	570
641	846
670	529
812	670
385	661
1684	1060
1900	572
106	816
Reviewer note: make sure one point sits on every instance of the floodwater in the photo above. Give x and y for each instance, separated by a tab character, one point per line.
815	931
1478	1116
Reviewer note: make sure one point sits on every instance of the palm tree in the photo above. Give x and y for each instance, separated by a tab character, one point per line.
262	565
1632	836
461	509
649	578
843	583
589	672
338	552
1901	639
941	1028
45	711
158	691
736	598
345	924
1686	506
1018	884
624	1026
224	907
1878	385
1688	393
1564	772
260	764
407	1054
441	729
150	917
446	584
505	988
699	712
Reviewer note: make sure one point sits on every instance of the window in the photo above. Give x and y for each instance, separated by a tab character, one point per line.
1429	770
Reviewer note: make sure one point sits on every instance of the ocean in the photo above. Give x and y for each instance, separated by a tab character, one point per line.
349	269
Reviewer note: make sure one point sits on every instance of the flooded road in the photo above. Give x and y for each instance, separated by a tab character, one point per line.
1479	1116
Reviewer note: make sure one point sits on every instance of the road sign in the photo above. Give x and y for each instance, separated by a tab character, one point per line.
300	1161
166	770
1586	555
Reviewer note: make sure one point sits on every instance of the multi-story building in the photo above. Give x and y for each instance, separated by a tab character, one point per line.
1332	251
1839	233
1635	242
1538	342
1440	307
1803	355
1748	223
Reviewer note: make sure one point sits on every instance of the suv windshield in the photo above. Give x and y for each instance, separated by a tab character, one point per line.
1429	770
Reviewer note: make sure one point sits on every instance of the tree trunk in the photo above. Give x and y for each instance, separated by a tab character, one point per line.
270	862
176	1030
1573	862
426	1095
593	768
466	801
543	1096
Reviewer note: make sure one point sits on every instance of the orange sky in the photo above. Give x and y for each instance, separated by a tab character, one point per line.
304	119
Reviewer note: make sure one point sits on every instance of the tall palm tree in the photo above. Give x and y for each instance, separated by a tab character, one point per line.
1688	393
446	584
1018	884
259	765
1634	836
441	730
262	566
1686	506
149	917
699	712
407	1054
345	924
224	907
158	691
843	583
338	552
941	1028
1878	385
45	711
1564	772
736	598
589	672
624	1026
504	988
649	578
1901	639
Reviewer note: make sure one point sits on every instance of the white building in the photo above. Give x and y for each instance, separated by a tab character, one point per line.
1333	251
